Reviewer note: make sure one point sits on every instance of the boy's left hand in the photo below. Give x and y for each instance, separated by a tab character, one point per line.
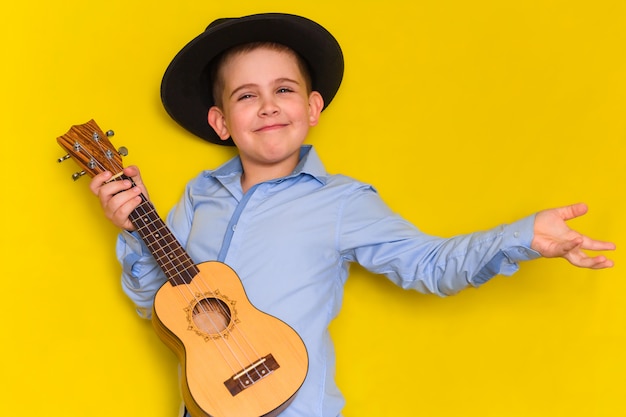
553	238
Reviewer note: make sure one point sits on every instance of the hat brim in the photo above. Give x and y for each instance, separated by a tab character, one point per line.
186	87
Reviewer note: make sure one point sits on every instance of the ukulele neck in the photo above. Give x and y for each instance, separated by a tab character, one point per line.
163	245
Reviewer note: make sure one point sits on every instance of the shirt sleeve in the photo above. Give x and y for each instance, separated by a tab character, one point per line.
385	243
141	275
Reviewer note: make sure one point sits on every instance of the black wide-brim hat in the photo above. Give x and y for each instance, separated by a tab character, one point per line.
186	89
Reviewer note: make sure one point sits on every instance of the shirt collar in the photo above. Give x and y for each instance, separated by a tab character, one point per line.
309	164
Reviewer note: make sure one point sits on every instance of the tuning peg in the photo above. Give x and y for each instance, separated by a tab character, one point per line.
122	150
110	133
77	175
64	158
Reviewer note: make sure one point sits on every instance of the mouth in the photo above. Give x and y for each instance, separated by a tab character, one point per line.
269	128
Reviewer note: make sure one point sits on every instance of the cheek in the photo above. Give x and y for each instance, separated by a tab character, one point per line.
232	119
242	113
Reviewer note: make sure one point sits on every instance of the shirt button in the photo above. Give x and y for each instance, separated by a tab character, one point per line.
234	227
516	235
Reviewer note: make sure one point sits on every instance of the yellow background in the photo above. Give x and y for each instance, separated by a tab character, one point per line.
464	114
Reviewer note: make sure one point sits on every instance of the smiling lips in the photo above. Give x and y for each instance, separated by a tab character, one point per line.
274	126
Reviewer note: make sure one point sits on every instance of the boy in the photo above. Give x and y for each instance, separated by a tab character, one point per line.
274	215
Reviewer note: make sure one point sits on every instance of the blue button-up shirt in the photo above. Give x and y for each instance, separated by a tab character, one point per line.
291	241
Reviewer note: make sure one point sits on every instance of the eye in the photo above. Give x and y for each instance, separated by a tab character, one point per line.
284	90
246	96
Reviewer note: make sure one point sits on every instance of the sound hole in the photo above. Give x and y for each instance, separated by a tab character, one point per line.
211	315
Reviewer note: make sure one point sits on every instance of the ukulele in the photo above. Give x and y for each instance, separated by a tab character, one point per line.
236	360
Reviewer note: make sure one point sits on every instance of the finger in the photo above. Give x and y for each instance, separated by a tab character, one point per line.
122	198
602	262
132	172
110	189
121	216
592	244
572	211
98	180
121	205
135	175
584	261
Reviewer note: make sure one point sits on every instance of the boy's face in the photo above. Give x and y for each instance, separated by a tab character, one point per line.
267	109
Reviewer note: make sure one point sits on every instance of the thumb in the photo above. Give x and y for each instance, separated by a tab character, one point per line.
573	211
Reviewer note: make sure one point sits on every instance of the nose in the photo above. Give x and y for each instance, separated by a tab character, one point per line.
269	107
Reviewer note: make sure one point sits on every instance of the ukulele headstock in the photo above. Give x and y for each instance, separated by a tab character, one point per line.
91	149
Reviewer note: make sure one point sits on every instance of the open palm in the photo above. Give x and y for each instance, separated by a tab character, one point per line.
553	238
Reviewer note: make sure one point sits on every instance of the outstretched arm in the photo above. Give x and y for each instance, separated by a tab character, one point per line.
553	238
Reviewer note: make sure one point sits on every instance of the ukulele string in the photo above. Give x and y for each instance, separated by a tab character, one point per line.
227	335
115	167
192	294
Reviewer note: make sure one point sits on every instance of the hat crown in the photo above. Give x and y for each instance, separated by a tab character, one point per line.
219	21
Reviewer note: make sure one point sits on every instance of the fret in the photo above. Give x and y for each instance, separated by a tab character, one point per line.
163	245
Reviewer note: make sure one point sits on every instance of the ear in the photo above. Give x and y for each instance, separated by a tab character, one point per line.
218	122
316	104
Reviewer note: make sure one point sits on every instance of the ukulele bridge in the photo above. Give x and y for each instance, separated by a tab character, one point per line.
253	373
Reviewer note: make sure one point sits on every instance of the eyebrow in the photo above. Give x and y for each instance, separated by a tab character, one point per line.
251	85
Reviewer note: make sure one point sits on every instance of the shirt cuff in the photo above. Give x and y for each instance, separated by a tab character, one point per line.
134	242
515	247
130	249
517	238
